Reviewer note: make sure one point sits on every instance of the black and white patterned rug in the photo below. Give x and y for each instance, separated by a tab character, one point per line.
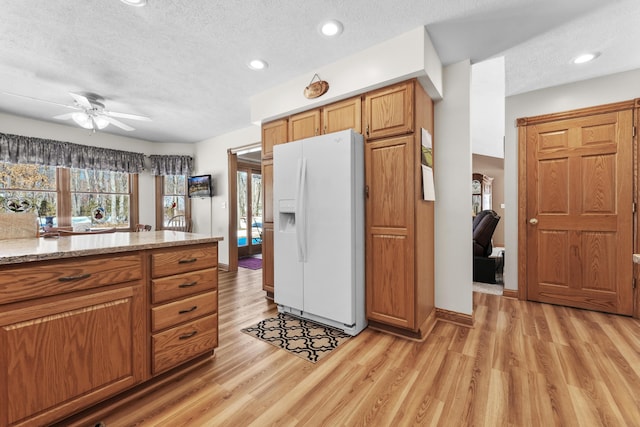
303	338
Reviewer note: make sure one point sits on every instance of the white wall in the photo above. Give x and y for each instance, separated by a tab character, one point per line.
409	55
28	127
588	93
452	165
487	107
211	216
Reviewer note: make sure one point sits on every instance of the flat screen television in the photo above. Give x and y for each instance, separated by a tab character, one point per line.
199	186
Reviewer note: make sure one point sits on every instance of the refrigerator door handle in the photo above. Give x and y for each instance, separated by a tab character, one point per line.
298	211
301	222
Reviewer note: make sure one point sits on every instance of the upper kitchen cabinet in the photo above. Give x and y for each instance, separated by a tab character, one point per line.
273	133
342	115
334	117
389	111
304	125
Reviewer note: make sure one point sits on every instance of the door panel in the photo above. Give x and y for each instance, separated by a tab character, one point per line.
579	190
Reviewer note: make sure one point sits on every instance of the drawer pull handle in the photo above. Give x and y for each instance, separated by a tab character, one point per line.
187	261
72	278
187	336
189	310
187	285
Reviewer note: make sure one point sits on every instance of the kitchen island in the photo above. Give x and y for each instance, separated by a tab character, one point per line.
84	318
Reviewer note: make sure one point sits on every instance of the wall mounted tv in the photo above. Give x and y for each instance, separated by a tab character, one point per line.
199	186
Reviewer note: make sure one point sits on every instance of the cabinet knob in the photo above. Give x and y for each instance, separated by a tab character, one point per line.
533	221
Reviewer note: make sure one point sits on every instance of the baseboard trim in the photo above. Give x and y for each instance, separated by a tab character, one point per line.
454	317
420	335
223	267
510	293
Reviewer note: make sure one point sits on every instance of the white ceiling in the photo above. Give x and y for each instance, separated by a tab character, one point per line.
183	63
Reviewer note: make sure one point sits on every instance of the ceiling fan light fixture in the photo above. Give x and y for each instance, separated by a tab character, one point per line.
135	3
82	119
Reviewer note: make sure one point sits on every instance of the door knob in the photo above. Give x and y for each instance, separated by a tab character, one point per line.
533	221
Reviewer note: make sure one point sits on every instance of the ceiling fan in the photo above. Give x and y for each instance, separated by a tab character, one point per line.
90	113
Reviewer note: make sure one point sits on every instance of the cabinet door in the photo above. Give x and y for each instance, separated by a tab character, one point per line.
390	232
267	258
267	190
59	357
272	134
304	125
343	115
389	111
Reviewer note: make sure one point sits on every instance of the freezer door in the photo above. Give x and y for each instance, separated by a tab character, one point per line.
288	270
330	268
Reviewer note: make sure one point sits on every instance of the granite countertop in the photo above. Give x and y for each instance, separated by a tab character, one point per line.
636	258
15	251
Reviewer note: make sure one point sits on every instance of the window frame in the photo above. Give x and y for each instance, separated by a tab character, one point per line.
159	184
63	196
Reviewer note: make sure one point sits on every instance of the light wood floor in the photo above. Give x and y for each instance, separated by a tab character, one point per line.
524	364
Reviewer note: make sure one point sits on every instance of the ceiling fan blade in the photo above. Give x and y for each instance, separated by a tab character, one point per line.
126	116
117	123
81	100
39	100
65	116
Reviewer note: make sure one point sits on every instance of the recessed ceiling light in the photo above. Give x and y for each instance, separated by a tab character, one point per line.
258	64
136	3
331	28
585	58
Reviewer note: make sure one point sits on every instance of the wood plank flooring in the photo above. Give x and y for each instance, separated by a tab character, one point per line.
523	364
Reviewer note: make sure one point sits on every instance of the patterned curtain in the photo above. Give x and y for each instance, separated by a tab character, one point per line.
25	149
171	165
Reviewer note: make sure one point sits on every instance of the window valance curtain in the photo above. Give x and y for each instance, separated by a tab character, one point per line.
171	165
25	149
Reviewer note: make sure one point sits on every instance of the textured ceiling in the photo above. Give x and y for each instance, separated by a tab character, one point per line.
184	63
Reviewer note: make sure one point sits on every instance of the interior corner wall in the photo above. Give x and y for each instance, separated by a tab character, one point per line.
452	168
211	215
588	93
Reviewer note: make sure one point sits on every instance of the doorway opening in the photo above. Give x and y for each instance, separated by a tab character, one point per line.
245	203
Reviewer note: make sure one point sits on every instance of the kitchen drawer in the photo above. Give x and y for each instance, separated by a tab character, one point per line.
181	260
181	285
177	345
40	279
174	313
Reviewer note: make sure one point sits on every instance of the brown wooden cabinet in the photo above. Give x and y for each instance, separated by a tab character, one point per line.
62	353
399	224
304	125
267	259
330	118
273	133
399	258
342	115
390	231
76	331
389	111
187	325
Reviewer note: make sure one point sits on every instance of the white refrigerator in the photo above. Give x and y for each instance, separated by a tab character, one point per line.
318	199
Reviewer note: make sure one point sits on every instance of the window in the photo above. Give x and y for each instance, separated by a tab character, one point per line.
174	199
101	197
28	188
81	198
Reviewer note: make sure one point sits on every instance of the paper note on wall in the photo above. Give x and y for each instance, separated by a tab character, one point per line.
428	187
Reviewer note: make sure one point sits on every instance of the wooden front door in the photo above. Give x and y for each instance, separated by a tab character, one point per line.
579	210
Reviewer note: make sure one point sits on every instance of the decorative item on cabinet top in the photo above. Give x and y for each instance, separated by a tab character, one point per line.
316	89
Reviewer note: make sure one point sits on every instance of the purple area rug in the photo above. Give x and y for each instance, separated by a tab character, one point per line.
250	263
